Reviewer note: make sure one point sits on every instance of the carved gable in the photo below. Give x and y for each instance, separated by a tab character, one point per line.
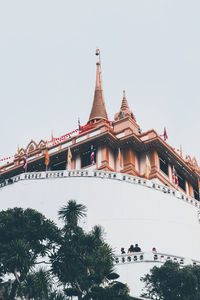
21	151
31	146
41	144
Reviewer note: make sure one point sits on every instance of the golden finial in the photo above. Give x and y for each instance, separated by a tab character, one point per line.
52	137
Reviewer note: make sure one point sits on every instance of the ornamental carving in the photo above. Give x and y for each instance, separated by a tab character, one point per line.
22	151
188	159
31	146
41	144
192	162
124	110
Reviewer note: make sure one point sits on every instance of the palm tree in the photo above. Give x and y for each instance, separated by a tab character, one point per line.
83	260
57	296
37	285
19	258
22	243
72	213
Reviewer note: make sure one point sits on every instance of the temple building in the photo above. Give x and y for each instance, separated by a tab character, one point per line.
119	146
133	183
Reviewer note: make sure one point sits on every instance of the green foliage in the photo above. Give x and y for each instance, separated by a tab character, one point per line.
37	285
172	282
82	260
19	256
113	291
112	276
72	292
25	235
72	213
57	295
81	263
20	224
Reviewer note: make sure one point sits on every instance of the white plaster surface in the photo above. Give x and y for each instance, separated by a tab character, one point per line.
66	145
132	273
99	156
96	132
80	139
122	134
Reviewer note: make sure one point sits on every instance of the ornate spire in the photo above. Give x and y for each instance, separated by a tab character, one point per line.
124	110
124	105
98	111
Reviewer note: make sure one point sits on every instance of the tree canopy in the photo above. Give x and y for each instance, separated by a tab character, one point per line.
172	282
83	262
80	263
25	236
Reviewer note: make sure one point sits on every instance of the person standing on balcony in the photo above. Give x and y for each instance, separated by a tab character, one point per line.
137	248
131	249
122	251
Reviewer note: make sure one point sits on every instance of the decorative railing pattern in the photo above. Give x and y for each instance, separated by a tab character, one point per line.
153	257
106	175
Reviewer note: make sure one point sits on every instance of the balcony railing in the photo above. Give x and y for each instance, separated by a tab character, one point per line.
104	175
152	257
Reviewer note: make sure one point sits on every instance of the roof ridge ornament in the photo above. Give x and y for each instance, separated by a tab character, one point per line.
124	109
124	105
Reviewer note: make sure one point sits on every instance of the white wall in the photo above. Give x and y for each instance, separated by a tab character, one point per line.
98	156
131	274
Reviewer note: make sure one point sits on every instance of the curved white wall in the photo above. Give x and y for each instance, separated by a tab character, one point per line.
129	213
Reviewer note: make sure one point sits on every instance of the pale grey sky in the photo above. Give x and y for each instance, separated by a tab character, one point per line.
150	48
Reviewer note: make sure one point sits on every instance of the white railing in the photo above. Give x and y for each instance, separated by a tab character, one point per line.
104	175
139	257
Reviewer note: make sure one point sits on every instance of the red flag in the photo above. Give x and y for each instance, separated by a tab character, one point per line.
175	177
92	156
165	134
25	162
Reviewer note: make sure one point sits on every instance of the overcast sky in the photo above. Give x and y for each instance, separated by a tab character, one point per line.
150	48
